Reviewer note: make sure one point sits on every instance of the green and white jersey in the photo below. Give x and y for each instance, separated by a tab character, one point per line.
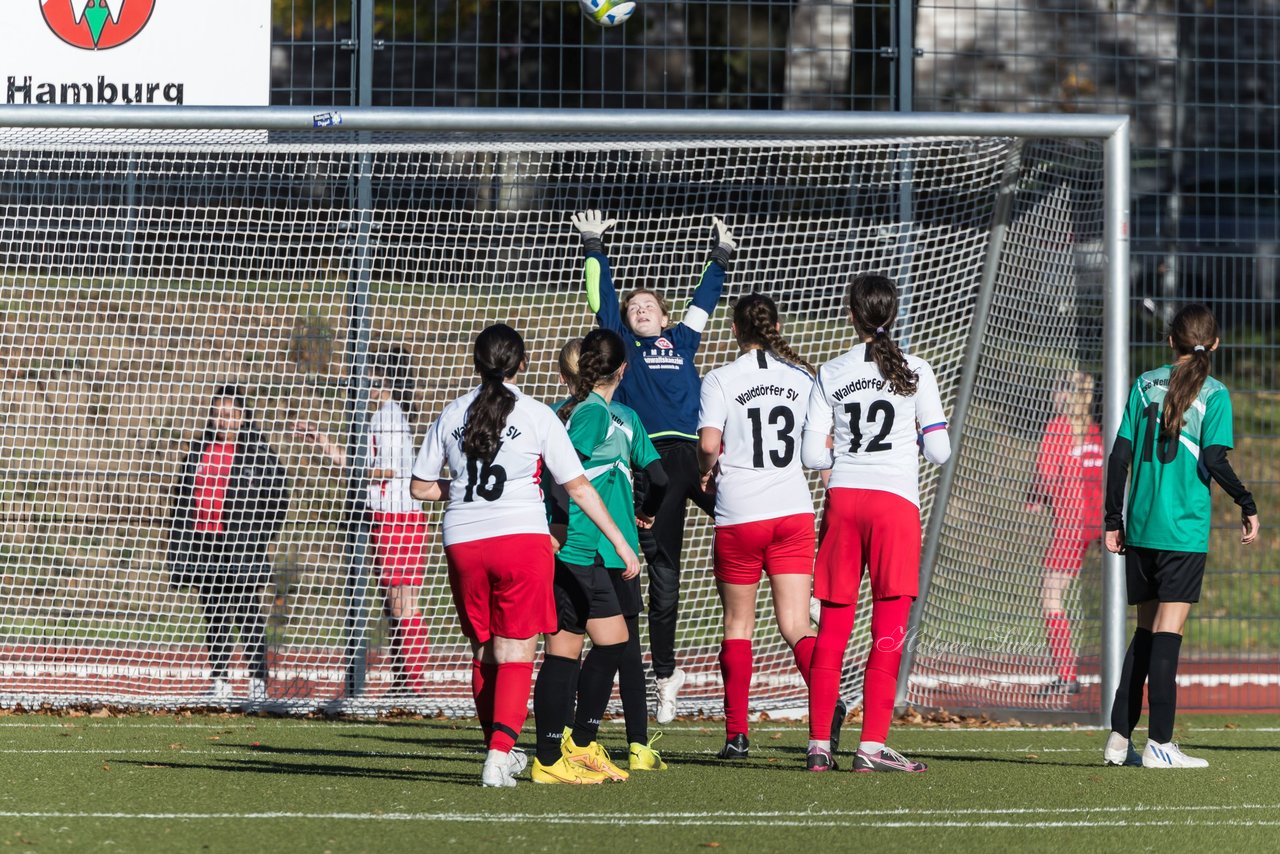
611	440
1168	485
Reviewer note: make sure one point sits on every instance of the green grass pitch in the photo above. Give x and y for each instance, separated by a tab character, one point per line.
231	783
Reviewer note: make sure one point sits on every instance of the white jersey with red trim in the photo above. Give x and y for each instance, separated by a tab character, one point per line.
875	431
758	401
391	448
504	496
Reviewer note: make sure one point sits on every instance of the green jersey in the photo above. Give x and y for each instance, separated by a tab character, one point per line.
611	440
1168	486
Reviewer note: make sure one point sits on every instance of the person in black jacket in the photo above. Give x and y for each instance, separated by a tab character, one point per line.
229	505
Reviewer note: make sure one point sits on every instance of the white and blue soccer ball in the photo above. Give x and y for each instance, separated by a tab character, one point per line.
608	13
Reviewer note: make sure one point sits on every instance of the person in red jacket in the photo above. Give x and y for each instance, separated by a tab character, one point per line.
1069	482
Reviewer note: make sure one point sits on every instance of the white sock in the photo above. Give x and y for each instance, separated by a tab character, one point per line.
495	755
871	746
824	743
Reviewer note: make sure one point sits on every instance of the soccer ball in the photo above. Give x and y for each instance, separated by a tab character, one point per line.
608	13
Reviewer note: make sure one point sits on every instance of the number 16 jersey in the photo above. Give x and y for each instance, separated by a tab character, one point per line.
502	497
874	441
758	401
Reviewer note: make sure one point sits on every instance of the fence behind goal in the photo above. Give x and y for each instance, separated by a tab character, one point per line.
143	267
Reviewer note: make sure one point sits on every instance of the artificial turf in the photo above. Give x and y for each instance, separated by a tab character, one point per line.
231	783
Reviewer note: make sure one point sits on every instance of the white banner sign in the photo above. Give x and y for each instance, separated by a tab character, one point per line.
215	53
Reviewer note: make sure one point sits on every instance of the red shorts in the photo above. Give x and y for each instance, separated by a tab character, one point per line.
399	541
867	528
782	546
503	586
1066	551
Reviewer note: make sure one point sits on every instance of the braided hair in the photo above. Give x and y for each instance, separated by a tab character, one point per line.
872	300
1193	332
499	354
602	355
756	319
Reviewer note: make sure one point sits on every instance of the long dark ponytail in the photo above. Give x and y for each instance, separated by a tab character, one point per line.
499	353
601	355
1193	333
756	317
872	299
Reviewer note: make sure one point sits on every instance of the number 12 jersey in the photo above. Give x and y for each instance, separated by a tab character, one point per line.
874	444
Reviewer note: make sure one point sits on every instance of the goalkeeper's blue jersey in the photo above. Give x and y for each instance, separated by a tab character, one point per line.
661	383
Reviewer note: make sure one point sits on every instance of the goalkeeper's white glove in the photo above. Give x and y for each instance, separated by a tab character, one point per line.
722	242
591	227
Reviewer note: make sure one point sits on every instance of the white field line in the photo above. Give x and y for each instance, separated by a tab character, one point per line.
1040	818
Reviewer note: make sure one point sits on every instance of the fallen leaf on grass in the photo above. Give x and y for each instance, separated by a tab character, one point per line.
1033	756
776	736
710	845
106	767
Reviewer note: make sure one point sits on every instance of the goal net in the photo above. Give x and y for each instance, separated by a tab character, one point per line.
141	274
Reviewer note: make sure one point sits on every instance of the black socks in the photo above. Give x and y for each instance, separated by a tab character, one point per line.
595	684
552	704
631	685
1127	708
1162	685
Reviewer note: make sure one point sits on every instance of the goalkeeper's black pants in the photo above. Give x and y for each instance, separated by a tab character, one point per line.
662	545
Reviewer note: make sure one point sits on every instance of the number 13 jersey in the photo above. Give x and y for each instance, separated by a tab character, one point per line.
875	429
501	497
758	401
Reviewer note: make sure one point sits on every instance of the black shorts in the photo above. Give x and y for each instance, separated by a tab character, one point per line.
1163	575
630	600
583	593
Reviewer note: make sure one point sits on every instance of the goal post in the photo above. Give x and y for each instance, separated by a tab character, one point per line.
151	256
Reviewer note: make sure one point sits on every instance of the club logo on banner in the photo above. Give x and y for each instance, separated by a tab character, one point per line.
96	24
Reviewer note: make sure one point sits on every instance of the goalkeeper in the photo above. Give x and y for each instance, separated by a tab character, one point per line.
661	384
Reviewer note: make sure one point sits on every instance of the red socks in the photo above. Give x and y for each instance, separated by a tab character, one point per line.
825	667
880	684
1058	629
484	681
736	665
803	652
510	703
413	648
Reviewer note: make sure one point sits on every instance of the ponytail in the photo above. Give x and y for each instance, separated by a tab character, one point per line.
756	317
872	300
600	356
499	354
1193	334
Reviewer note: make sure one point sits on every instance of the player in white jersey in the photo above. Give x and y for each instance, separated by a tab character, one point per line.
495	441
872	411
749	425
398	527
